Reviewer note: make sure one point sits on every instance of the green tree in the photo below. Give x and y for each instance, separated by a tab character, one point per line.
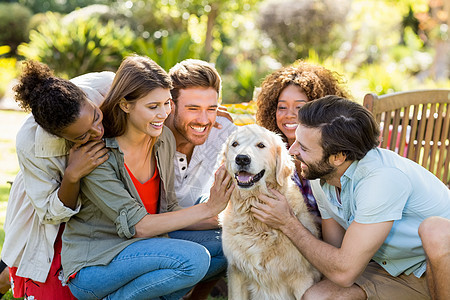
295	27
14	19
205	20
64	6
79	47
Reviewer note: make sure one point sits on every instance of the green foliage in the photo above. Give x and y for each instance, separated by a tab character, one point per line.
14	20
356	38
38	19
8	67
64	6
410	55
210	23
80	46
244	75
4	194
240	84
383	79
9	296
168	50
329	62
297	26
372	28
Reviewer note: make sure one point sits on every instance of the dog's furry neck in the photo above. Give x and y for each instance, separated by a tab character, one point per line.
251	196
241	204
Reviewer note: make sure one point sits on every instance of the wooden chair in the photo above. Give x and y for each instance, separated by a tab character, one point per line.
416	125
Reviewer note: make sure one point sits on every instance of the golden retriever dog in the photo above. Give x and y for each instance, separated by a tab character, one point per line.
262	262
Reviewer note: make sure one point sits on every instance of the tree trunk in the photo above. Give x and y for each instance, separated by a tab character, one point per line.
212	16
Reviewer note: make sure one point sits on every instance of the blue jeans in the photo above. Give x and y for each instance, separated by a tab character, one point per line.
156	268
211	240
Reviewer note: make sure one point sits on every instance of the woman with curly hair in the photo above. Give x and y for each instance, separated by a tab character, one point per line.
58	144
283	93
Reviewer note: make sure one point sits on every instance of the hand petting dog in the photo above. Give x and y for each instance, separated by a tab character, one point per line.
274	211
262	262
221	190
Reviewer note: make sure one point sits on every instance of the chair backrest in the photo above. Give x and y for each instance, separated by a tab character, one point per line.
416	125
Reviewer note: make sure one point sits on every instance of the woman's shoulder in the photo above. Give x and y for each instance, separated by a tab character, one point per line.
33	139
27	132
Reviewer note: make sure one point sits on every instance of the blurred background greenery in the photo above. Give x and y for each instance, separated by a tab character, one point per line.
378	46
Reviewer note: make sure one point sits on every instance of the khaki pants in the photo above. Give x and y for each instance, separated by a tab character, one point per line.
379	284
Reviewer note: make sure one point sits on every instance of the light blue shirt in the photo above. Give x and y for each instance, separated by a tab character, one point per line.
384	186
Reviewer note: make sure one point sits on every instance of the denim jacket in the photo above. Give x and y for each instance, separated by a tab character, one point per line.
111	207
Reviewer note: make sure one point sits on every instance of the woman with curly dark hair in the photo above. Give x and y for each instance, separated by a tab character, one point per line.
283	93
58	144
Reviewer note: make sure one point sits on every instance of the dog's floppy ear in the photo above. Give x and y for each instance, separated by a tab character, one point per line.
285	165
221	159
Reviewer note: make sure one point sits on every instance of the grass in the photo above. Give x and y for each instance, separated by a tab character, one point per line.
10	122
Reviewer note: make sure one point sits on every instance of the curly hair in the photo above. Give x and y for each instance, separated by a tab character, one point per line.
54	102
315	81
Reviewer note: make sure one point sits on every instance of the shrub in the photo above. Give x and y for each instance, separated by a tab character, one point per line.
9	70
383	78
61	6
39	19
80	46
14	20
168	50
297	26
239	85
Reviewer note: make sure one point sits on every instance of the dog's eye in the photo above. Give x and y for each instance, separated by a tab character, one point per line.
260	145
234	144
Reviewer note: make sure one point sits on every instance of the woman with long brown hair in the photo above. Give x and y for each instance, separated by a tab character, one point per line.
116	247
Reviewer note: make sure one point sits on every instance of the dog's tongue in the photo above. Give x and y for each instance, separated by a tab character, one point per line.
244	176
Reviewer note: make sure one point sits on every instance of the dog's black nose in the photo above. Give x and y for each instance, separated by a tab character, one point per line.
242	160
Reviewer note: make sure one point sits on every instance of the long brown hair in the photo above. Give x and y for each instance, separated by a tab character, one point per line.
136	77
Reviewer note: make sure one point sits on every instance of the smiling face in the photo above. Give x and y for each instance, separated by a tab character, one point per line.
87	127
147	114
291	99
194	114
308	150
256	156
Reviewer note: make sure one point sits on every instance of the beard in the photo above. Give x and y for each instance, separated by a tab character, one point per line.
184	130
322	169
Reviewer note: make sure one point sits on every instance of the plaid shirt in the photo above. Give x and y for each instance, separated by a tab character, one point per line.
305	189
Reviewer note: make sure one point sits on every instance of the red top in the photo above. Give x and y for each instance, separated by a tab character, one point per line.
148	191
